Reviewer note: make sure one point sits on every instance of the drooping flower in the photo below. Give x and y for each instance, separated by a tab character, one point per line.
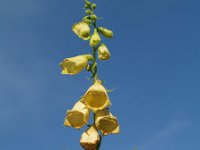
78	116
90	139
106	32
96	97
74	65
106	122
95	38
103	52
82	29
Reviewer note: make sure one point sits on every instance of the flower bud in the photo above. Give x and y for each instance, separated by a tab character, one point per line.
78	116
93	6
82	29
96	97
106	122
93	17
87	20
87	2
90	139
87	6
103	52
95	38
75	64
107	33
88	12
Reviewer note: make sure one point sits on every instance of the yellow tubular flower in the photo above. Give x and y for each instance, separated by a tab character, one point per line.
107	33
95	38
103	52
82	29
75	64
106	122
78	116
96	97
90	139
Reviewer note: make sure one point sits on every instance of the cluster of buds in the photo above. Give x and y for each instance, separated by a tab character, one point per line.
96	99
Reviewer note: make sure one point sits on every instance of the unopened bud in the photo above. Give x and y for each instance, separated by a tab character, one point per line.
93	6
93	17
95	38
106	32
87	2
87	6
87	20
88	12
103	52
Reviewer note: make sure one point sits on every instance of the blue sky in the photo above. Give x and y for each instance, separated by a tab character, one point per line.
154	66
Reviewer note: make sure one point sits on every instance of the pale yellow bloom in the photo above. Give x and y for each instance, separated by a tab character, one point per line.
95	38
96	97
103	52
78	116
74	65
106	122
82	29
106	32
90	139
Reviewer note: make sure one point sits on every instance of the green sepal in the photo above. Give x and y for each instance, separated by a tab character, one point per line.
110	90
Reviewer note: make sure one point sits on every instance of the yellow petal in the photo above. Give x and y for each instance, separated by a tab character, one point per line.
82	29
90	139
78	116
95	38
106	122
96	97
75	64
103	52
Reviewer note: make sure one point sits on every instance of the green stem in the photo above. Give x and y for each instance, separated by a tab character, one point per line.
94	64
94	70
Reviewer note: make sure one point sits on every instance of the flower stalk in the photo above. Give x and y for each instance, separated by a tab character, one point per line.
94	66
96	98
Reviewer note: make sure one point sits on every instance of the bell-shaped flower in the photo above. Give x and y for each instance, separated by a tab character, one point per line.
106	122
90	139
78	116
82	29
103	52
106	32
96	97
74	65
95	38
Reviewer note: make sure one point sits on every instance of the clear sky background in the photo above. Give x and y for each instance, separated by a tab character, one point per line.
155	68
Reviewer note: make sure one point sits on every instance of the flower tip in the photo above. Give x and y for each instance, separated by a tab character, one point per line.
90	139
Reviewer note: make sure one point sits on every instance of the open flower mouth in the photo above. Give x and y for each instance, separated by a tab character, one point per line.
95	99
76	119
108	125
